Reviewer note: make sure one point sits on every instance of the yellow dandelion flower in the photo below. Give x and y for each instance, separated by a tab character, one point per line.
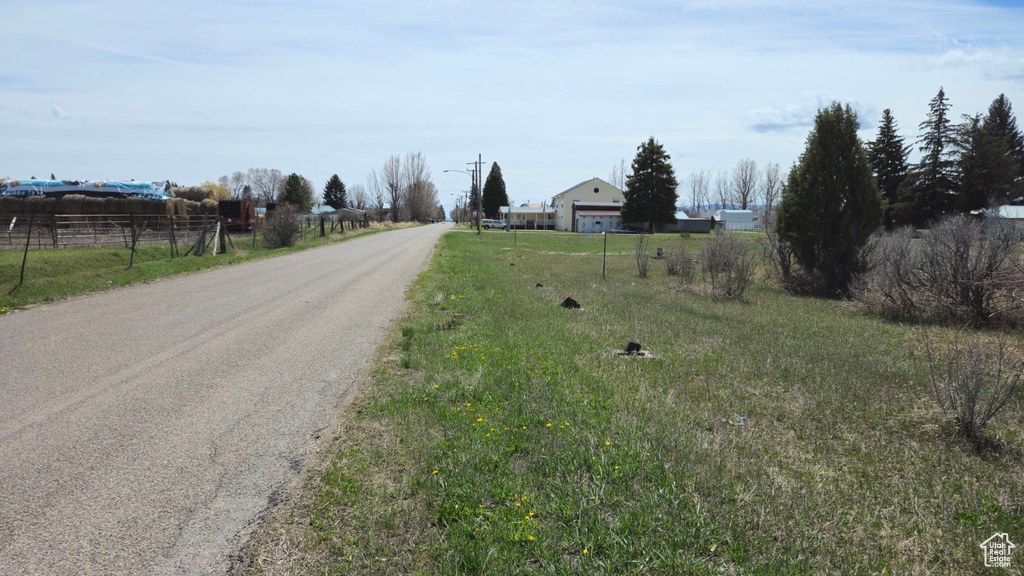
607	443
585	551
435	471
549	424
616	467
518	505
479	419
530	537
524	498
435	385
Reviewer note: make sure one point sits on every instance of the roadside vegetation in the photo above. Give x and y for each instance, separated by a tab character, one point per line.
55	274
770	433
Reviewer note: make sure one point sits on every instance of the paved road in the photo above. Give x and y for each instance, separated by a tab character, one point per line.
143	430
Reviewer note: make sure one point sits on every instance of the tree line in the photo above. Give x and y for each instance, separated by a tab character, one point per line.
401	190
975	164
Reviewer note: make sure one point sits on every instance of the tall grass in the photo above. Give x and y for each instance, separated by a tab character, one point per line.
520	443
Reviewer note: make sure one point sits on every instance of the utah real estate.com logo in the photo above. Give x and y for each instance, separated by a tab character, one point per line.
997	550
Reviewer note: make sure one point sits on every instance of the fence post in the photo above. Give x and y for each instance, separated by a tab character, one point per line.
170	233
24	258
53	220
322	227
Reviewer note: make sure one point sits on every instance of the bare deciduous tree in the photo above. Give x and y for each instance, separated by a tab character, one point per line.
744	183
618	175
420	191
771	187
360	199
377	194
265	183
393	178
700	189
722	190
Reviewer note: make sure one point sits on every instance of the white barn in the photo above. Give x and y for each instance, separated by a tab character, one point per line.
735	220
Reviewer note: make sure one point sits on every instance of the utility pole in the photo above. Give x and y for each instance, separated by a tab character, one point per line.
478	181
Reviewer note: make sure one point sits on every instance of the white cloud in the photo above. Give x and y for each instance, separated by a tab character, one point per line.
61	114
800	115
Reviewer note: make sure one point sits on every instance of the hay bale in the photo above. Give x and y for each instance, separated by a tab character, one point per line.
192	208
136	205
113	205
208	207
71	204
10	205
40	205
93	205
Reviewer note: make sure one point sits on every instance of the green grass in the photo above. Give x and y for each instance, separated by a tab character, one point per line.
55	274
502	435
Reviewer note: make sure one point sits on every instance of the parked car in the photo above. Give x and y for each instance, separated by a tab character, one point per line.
488	224
623	231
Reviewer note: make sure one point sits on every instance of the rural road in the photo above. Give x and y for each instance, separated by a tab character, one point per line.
144	430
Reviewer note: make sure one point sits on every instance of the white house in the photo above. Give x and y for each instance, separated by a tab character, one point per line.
593	191
529	216
735	219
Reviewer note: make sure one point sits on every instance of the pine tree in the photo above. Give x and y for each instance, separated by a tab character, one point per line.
985	172
650	196
297	192
495	195
335	194
830	205
1001	124
931	185
889	159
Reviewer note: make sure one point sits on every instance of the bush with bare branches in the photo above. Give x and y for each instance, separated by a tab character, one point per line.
679	262
728	263
281	228
963	270
973	380
643	254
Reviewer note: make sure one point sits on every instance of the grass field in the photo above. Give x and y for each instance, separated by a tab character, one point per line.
55	274
502	435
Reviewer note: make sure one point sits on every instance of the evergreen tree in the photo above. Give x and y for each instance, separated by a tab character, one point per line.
495	195
297	192
930	187
650	196
335	194
985	172
474	195
889	159
1001	124
830	204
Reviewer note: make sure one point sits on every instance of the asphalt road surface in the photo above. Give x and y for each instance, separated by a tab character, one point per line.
144	430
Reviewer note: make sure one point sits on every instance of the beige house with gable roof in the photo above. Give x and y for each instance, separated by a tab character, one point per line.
591	192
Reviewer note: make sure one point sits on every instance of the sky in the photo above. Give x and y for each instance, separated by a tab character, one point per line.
554	92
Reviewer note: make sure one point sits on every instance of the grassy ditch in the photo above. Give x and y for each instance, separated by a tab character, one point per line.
503	435
55	274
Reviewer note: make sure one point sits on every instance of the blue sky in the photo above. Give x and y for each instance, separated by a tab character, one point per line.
555	92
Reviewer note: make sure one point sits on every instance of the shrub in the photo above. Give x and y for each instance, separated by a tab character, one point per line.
281	229
678	262
973	381
962	270
890	282
643	254
728	263
775	251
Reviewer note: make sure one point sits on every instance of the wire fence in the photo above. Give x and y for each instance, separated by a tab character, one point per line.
39	231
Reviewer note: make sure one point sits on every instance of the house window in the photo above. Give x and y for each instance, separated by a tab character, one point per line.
615	199
597	223
596	190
